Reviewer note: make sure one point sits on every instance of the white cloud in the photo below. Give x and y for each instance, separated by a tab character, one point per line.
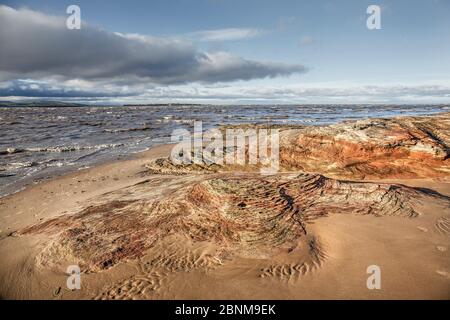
233	93
228	34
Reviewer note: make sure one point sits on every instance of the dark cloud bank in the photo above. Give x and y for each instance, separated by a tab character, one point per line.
35	45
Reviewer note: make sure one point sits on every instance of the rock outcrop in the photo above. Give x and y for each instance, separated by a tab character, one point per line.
401	147
246	215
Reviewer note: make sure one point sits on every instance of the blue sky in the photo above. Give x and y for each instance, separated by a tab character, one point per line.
256	52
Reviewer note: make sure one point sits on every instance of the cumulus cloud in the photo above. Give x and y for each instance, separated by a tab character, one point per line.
367	91
36	45
230	93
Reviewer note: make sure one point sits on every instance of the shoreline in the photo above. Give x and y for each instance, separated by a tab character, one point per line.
40	177
65	180
186	265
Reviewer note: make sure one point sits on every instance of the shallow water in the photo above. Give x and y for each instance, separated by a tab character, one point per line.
41	142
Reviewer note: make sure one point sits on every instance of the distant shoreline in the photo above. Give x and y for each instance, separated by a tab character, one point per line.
62	104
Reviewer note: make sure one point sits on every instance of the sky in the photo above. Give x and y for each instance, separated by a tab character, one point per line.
226	51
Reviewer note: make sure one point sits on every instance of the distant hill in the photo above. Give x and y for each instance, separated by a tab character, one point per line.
39	103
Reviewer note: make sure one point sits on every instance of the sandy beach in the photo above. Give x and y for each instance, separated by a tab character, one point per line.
140	232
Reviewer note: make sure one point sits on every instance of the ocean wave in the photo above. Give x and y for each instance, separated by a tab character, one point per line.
14	166
18	165
6	175
61	148
59	164
184	121
11	151
127	129
175	120
11	123
92	124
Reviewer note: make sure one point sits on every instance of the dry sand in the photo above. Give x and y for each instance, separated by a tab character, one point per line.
137	234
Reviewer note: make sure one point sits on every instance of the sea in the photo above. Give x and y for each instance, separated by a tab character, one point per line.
38	143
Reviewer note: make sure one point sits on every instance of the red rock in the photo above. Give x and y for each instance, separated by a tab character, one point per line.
403	147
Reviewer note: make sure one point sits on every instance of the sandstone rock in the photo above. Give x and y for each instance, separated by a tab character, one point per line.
401	147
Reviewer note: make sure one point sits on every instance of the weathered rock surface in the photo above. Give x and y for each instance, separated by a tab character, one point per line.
246	215
404	147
